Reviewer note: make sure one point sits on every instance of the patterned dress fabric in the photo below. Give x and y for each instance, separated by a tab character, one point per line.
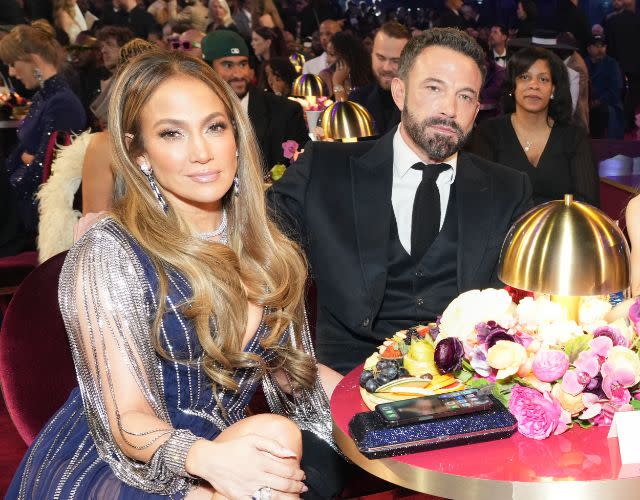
108	299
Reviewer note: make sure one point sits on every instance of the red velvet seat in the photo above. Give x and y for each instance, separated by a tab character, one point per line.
36	368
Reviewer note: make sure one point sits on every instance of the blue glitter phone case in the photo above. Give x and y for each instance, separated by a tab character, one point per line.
375	439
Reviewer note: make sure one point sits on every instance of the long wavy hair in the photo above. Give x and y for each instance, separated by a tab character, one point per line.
560	109
259	264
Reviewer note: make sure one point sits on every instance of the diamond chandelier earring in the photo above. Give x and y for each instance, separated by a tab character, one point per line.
236	185
148	172
37	74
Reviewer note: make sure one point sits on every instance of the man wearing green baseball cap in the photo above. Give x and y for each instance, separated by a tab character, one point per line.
275	119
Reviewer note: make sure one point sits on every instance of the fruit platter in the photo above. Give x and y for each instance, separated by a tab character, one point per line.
403	367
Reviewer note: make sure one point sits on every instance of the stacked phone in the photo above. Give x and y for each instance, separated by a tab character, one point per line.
430	422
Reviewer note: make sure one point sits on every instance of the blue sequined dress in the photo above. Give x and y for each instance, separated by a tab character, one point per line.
54	108
107	295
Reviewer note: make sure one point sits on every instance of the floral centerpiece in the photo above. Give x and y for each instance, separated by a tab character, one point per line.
313	107
552	373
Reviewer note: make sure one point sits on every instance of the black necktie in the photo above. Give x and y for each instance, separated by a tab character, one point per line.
425	220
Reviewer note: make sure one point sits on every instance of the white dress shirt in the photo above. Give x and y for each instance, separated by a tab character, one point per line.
405	185
574	85
316	65
500	62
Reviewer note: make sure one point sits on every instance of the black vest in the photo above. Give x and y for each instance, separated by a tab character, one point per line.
419	291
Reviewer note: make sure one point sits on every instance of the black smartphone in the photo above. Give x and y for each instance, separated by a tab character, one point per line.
425	408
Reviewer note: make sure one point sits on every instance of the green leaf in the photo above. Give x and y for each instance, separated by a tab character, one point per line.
477	383
467	366
502	391
585	424
636	404
464	375
403	348
576	345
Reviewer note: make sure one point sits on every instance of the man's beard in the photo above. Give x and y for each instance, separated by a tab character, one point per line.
437	146
244	92
380	76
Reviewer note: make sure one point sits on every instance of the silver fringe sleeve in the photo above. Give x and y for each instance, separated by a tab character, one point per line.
107	305
308	408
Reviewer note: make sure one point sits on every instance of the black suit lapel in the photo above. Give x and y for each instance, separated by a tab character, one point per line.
473	195
372	178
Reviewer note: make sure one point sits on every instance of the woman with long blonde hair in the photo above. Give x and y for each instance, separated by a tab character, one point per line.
68	16
177	305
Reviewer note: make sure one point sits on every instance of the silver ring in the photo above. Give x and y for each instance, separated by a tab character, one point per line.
263	493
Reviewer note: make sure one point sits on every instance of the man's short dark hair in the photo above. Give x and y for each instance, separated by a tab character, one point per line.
394	29
502	28
449	38
119	33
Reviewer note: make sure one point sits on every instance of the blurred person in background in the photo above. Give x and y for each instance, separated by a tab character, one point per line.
527	14
68	16
328	28
190	43
352	68
266	43
376	97
110	39
220	16
35	58
280	75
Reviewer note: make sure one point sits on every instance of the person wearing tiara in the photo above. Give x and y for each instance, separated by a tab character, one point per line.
178	304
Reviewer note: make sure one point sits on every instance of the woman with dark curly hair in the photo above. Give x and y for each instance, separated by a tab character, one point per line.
352	66
536	135
280	75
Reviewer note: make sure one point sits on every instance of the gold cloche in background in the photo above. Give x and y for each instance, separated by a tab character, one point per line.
567	249
347	121
298	60
308	85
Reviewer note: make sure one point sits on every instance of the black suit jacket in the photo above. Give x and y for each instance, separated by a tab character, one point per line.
337	201
386	115
275	120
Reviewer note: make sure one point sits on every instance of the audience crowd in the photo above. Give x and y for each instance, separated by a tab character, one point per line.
545	86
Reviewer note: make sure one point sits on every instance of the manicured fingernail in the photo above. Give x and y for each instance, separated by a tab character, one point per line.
286	453
305	489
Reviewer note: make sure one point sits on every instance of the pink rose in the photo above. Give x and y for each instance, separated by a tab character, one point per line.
550	365
537	414
289	148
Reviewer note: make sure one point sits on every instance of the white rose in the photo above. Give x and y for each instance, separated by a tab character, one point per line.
533	312
558	332
592	310
476	306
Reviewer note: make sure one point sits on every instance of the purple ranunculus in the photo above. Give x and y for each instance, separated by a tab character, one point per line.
448	355
488	329
613	333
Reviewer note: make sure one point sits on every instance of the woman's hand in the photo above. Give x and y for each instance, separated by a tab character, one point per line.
27	158
239	467
341	73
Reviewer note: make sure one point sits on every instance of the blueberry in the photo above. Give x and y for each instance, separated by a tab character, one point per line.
366	376
402	372
382	364
371	385
383	379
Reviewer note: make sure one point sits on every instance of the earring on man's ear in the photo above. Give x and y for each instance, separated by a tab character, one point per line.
148	172
552	96
510	94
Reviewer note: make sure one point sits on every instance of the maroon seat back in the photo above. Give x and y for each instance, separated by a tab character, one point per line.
36	368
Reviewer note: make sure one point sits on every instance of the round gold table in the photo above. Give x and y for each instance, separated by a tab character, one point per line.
581	464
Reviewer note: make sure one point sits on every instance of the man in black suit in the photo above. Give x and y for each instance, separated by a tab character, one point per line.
385	56
450	16
275	119
362	210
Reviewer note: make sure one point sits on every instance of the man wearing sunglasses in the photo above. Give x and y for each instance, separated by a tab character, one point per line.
189	42
275	119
